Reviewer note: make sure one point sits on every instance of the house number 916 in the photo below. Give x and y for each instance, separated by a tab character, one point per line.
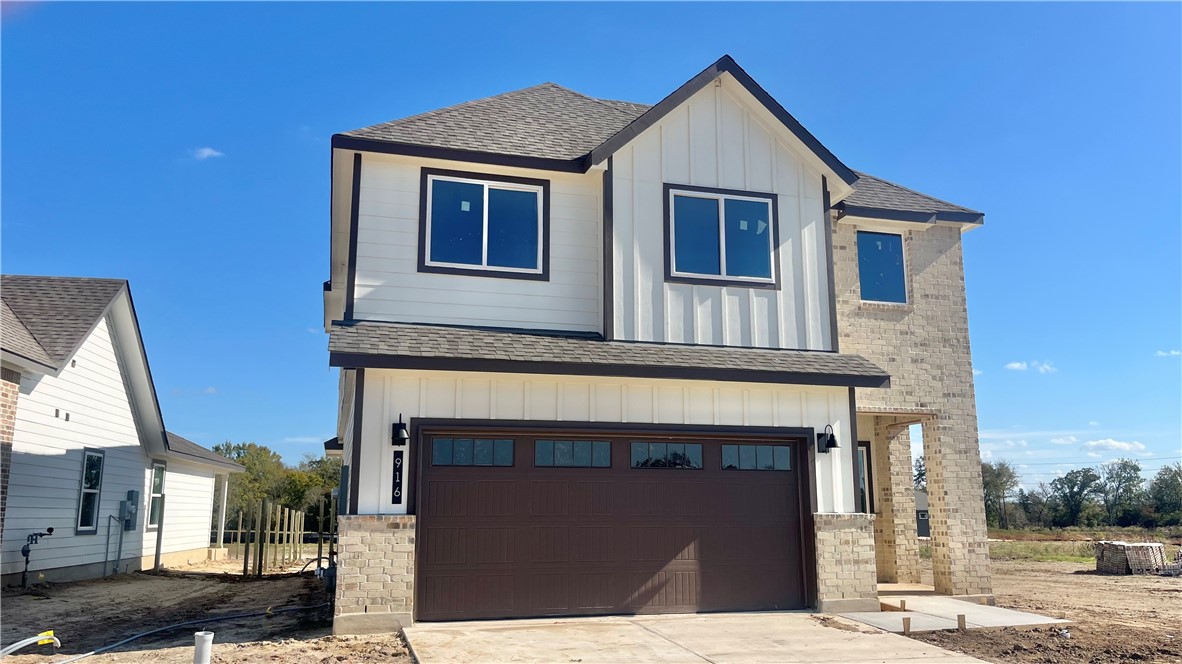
397	494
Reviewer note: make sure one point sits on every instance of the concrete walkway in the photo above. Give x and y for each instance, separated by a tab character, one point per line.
930	613
722	638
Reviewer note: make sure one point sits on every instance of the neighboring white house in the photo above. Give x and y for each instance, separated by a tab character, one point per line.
84	446
602	357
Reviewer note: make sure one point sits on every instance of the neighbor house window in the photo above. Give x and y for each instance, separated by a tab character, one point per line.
720	237
471	452
156	504
486	225
92	484
881	270
756	457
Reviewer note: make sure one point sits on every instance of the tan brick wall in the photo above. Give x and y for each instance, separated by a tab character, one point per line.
896	542
846	576
375	573
10	386
924	345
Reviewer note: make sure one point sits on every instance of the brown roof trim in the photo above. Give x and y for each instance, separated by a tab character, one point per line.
383	361
725	64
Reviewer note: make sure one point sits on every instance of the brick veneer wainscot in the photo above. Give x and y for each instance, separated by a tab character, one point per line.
846	576
375	573
10	387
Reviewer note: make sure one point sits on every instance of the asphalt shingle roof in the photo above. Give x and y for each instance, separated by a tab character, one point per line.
409	346
57	312
546	121
17	338
189	448
876	193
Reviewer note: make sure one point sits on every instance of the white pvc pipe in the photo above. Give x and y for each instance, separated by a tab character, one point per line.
202	647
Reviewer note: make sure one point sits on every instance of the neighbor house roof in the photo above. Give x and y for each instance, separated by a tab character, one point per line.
391	345
185	447
56	314
879	199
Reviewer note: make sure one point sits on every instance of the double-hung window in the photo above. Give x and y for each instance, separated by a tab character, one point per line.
156	504
91	488
882	274
720	237
484	225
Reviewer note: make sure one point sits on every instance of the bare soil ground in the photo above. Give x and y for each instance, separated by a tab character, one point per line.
1117	618
90	614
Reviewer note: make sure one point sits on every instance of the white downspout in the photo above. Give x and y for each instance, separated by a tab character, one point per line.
222	511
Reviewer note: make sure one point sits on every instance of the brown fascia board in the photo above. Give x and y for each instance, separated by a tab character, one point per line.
381	361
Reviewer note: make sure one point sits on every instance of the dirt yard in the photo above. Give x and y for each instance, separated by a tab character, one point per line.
90	614
1117	618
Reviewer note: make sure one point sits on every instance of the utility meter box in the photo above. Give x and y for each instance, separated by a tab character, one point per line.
129	509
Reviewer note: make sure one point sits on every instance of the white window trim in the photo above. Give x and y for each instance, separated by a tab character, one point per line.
906	273
151	491
720	202
82	491
484	266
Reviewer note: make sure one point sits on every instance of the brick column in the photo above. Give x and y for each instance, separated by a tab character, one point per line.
895	537
845	563
10	387
960	552
375	574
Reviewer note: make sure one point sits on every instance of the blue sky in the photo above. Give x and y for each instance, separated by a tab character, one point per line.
185	147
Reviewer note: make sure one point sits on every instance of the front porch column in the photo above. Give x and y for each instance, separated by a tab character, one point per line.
896	542
960	550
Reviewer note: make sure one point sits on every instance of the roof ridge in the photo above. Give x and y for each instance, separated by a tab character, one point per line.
597	100
912	191
447	109
26	326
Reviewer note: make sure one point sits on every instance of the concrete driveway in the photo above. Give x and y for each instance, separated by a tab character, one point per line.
690	639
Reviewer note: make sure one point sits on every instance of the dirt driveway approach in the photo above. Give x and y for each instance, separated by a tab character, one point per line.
90	614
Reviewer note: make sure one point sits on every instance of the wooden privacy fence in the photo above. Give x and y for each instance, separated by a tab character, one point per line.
270	537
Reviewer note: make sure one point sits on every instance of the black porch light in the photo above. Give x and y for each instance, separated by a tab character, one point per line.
399	435
826	440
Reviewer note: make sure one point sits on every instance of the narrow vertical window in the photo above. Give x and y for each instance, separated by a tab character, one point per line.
156	503
91	488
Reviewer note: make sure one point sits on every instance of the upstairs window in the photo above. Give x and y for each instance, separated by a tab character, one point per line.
720	237
881	270
484	225
91	488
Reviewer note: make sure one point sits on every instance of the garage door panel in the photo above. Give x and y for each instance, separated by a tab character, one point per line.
520	541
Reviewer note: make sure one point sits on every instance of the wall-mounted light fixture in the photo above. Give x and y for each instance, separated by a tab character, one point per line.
826	440
399	435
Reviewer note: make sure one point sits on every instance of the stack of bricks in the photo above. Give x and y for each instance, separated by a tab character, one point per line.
1129	558
375	573
846	576
10	387
924	345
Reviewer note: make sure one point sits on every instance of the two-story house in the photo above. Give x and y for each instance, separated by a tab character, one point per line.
600	357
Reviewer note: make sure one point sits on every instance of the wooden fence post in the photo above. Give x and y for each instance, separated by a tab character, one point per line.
320	534
245	548
238	551
264	534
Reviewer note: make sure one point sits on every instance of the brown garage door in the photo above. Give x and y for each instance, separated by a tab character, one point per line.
519	525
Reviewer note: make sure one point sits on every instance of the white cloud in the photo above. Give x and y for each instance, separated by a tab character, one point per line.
303	439
977	372
1043	367
1093	423
201	154
986	454
1095	455
1015	433
1168	353
1065	440
1016	366
210	390
1110	445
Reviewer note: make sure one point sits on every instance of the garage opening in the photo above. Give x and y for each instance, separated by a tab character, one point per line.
531	524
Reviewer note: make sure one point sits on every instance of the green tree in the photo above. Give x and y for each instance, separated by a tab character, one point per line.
1073	492
263	477
998	482
1165	495
1121	491
919	475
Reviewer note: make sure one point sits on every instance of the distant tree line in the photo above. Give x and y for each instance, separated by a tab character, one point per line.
1111	494
298	487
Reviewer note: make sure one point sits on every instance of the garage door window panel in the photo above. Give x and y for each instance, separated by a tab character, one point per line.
756	457
666	455
471	452
572	454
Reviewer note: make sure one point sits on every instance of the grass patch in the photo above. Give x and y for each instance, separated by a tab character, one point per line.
1043	552
1131	534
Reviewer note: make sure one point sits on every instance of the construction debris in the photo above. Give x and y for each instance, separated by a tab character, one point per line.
1132	558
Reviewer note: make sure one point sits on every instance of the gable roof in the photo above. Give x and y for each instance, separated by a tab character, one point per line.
553	128
57	313
406	346
880	199
188	448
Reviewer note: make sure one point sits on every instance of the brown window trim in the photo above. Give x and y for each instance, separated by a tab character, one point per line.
544	275
865	509
721	280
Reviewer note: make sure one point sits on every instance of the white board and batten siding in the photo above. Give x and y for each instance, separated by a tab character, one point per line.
389	286
47	458
721	138
578	399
